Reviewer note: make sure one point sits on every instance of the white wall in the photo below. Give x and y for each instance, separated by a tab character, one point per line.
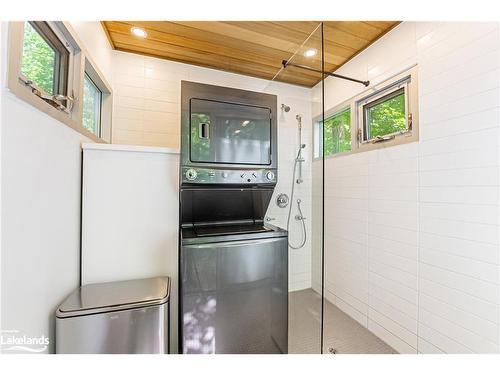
412	231
96	42
40	213
147	112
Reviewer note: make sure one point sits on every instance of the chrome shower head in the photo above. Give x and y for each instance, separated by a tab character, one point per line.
285	108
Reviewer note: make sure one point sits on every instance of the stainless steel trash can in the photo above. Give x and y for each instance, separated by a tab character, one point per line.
119	317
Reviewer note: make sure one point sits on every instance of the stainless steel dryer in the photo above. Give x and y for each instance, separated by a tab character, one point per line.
233	271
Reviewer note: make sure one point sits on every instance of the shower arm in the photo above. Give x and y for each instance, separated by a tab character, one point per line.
286	63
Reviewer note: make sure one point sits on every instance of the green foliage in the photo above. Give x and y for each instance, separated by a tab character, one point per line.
38	62
91	106
338	133
387	117
384	118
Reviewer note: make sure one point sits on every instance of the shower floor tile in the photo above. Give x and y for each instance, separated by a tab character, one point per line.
342	333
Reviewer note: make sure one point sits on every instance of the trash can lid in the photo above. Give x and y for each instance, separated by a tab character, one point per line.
113	296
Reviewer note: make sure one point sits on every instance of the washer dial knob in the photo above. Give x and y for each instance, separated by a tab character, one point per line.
270	176
191	174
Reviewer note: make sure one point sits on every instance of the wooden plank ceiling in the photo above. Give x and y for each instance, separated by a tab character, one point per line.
251	48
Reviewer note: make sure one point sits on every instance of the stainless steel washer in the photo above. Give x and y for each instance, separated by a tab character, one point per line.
234	289
125	317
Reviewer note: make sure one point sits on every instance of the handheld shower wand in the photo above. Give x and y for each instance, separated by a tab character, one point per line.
300	158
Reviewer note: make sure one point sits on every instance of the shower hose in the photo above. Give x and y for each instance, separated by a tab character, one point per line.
304	237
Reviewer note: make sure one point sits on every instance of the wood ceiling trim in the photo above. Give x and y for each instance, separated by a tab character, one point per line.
202	35
168	49
201	46
250	36
229	41
291	35
229	62
334	56
254	48
123	29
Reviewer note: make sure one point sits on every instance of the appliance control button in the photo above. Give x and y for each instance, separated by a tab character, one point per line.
224	174
254	175
270	175
242	175
191	174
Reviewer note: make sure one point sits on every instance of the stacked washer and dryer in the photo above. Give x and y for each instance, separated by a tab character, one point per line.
233	267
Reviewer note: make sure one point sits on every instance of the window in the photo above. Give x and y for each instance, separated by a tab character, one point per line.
92	100
97	102
45	64
39	59
338	138
49	69
338	132
385	115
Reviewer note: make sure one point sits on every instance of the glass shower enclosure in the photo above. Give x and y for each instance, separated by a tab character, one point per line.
297	204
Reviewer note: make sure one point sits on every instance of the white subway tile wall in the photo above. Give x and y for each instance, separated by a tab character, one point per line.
147	112
412	235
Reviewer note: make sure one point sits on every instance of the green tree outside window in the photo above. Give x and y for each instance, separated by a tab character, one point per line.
39	59
91	106
337	133
387	117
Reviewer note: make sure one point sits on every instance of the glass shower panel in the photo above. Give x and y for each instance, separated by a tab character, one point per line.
353	306
300	181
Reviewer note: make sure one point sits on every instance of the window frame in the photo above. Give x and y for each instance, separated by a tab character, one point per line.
381	96
70	114
53	33
408	79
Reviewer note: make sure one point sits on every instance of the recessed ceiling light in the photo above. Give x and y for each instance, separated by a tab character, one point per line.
137	31
310	52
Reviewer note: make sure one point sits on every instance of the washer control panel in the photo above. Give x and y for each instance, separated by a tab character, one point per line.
227	176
